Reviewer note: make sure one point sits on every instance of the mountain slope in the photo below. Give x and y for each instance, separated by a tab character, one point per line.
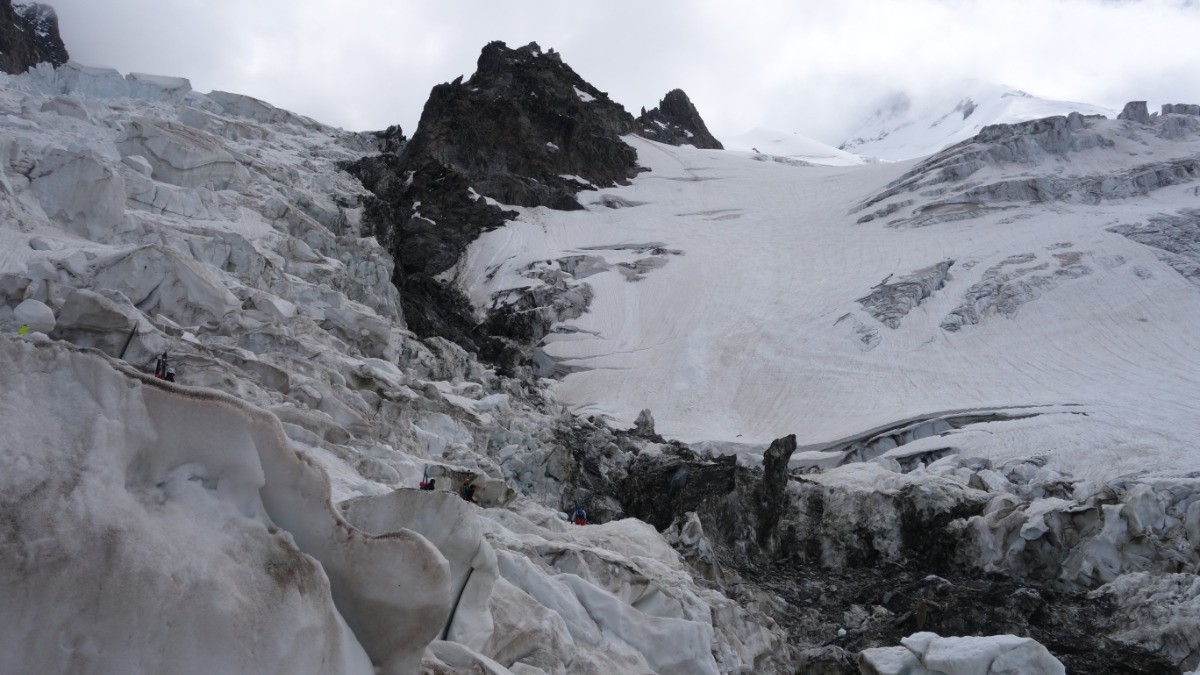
903	127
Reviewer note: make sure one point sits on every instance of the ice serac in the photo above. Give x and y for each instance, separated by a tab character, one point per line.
1135	111
524	130
29	36
81	190
155	490
676	122
928	653
181	155
452	526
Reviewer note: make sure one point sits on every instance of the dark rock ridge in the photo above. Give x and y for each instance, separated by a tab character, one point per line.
520	124
676	122
29	36
881	555
526	130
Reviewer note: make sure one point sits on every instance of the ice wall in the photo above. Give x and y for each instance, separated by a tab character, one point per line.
136	539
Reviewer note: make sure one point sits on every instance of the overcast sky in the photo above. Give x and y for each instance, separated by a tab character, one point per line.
810	66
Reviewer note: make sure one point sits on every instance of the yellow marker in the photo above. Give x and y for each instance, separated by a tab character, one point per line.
22	329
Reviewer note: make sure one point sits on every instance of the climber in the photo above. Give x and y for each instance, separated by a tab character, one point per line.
580	516
170	376
468	490
428	485
424	478
160	366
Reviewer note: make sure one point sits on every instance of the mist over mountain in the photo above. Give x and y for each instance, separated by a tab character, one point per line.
550	388
904	127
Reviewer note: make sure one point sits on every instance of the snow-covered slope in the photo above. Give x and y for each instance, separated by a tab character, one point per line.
732	298
907	127
780	146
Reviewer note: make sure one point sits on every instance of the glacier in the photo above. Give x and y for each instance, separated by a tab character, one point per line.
990	381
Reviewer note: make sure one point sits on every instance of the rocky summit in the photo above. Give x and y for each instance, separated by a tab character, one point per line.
29	36
676	122
533	393
524	130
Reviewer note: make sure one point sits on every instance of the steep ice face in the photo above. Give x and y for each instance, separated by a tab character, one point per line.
134	510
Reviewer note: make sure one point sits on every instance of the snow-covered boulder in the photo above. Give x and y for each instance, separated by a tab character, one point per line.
932	654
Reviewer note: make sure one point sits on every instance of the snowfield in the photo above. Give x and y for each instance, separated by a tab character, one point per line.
751	328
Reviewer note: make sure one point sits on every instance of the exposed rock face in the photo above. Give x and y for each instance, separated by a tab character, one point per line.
772	495
1135	111
29	36
676	122
524	130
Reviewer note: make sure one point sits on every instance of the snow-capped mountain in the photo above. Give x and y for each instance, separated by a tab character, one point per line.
926	415
905	126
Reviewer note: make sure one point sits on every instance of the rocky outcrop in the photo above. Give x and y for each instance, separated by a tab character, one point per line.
29	36
525	130
772	495
676	122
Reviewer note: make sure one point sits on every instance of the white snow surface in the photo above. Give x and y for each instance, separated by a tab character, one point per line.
749	328
770	144
907	127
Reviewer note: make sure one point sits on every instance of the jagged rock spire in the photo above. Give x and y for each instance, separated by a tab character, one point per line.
676	122
525	129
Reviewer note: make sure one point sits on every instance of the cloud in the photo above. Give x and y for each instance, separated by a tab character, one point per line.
812	67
